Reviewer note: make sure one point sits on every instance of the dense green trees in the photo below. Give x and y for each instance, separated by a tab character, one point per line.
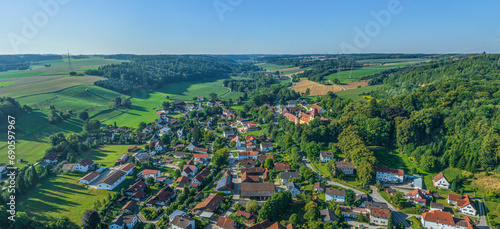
90	219
272	208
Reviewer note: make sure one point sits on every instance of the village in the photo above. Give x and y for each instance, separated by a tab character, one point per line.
236	177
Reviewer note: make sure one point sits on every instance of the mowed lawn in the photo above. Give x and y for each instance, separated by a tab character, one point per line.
60	196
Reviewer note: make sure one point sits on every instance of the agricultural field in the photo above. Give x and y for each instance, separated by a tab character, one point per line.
58	67
78	94
369	70
7	83
316	88
355	94
272	67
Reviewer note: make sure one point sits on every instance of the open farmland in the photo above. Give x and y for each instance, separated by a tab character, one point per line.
369	70
316	88
58	67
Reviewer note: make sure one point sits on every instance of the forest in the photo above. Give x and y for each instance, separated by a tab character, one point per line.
23	62
151	72
10	107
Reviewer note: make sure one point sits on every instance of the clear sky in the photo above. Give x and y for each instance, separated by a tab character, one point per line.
249	26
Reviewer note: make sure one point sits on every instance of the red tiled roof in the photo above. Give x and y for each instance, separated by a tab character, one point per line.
437	177
90	176
150	171
385	169
127	167
439	217
225	223
182	179
380	212
281	166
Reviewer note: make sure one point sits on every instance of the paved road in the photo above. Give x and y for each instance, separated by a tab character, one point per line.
482	216
237	183
397	217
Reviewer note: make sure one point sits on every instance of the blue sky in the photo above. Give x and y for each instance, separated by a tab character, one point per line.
248	26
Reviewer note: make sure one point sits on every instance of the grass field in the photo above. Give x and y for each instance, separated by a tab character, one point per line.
5	84
60	196
272	67
58	67
107	154
354	94
77	94
370	70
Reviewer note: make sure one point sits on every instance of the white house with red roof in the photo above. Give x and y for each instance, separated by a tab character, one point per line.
128	168
386	174
464	204
150	173
440	181
200	158
318	108
444	220
159	146
84	165
87	179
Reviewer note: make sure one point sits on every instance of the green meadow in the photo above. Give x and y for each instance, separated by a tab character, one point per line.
355	94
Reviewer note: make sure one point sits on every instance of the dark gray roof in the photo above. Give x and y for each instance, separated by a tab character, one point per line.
327	215
292	185
287	175
335	192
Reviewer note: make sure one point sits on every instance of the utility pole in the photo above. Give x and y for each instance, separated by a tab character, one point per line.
69	62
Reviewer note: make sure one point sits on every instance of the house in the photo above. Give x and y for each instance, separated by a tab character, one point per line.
226	112
291	103
262	225
266	146
318	108
415	194
87	179
182	181
200	158
124	158
281	166
361	199
326	156
379	216
337	195
84	165
328	215
256	170
193	145
294	188
174	214
162	198
138	196
418	183
159	146
123	221
190	106
143	157
347	167
228	133
253	154
420	201
150	173
137	186
285	176
129	206
371	204
200	150
464	204
210	204
260	191
200	99
444	220
196	182
386	174
276	225
248	163
112	180
245	177
180	154
319	187
224	185
225	223
182	222
437	207
251	218
189	170
128	168
51	158
265	176
440	181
